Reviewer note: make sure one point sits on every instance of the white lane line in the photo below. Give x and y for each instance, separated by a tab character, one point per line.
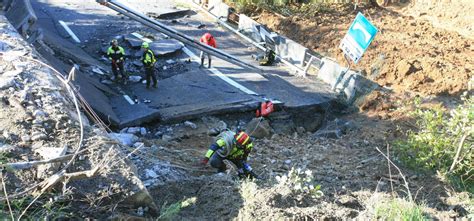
128	99
139	36
220	74
69	31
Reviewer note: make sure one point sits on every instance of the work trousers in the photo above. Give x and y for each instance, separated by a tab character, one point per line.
150	75
217	162
202	56
118	65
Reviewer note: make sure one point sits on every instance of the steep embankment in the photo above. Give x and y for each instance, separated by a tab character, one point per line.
408	54
48	148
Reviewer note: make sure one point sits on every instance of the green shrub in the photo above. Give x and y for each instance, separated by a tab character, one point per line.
441	138
399	209
168	212
300	182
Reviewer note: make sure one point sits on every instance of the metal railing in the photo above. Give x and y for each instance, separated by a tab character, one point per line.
132	13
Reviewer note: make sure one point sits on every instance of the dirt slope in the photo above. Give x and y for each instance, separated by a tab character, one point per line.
353	176
408	54
39	122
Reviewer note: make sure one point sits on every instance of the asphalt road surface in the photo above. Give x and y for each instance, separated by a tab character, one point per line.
184	90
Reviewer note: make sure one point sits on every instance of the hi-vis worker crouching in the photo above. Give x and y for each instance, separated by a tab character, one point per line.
148	60
234	147
207	39
116	55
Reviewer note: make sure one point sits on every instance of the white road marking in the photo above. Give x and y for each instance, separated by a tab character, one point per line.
141	37
69	31
129	99
220	74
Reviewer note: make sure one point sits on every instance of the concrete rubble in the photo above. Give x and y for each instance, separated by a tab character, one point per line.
124	138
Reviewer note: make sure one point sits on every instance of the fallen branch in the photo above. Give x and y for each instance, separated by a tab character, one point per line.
389	169
30	164
400	172
458	152
82	175
59	177
6	197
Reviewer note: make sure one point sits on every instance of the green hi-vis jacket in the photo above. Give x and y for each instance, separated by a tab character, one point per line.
116	53
226	146
148	58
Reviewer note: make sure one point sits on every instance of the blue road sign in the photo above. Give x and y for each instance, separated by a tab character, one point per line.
358	38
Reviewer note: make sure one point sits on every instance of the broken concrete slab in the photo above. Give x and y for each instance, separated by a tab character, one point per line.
197	25
190	124
135	78
98	70
125	139
170	13
133	41
165	47
95	94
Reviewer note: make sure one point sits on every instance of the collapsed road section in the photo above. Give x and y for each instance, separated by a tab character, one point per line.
184	90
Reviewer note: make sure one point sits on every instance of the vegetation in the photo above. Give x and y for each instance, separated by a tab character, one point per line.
168	212
300	182
305	8
442	142
399	209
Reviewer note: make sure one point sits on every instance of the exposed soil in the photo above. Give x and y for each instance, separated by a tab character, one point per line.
353	175
408	54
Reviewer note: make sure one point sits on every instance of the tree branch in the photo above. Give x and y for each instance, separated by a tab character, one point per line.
30	164
458	152
401	174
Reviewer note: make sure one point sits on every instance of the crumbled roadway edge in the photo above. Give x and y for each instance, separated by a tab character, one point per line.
39	120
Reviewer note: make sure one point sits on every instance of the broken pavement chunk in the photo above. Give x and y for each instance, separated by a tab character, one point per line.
97	70
125	139
165	47
133	41
134	78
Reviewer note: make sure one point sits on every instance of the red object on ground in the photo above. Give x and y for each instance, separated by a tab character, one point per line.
204	161
266	108
209	40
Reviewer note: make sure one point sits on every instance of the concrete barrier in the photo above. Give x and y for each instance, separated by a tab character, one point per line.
21	15
350	84
248	27
290	50
219	9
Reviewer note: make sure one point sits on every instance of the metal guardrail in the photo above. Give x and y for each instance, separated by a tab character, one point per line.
309	60
123	9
